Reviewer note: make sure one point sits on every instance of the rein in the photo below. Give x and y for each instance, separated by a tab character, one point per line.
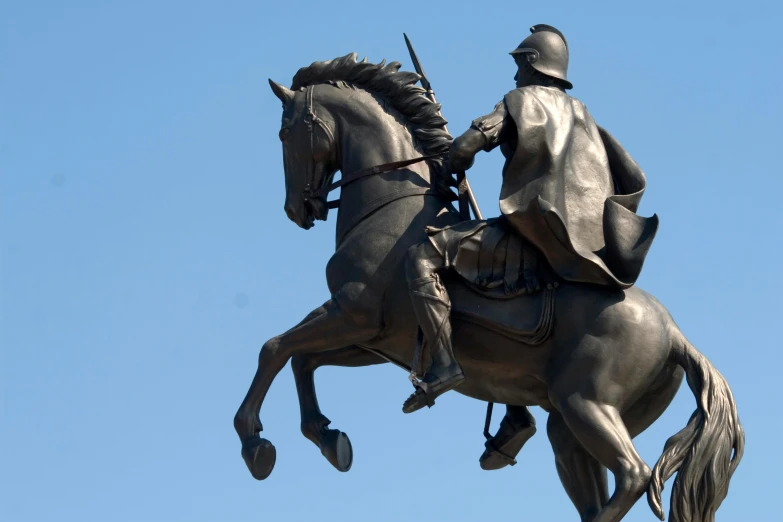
369	171
312	119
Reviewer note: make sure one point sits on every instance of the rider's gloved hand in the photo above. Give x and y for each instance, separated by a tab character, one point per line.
458	163
463	150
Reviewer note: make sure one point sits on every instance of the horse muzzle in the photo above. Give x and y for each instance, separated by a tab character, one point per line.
300	215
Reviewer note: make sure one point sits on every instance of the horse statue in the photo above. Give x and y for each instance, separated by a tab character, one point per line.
603	363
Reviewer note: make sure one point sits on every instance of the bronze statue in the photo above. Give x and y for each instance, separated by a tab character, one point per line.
536	307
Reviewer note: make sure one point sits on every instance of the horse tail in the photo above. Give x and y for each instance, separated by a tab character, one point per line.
707	451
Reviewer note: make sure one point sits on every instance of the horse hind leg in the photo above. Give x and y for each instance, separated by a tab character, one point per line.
654	402
600	430
582	476
334	444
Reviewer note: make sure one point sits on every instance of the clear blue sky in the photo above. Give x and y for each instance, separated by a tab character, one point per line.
142	193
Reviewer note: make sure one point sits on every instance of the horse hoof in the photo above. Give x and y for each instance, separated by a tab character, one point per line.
259	455
336	447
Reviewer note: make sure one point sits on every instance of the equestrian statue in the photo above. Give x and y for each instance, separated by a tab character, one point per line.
536	307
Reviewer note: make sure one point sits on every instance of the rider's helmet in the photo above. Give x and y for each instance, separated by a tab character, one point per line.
547	52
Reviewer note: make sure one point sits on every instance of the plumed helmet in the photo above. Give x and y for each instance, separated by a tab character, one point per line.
547	52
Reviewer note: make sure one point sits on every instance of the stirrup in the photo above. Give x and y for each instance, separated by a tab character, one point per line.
495	452
424	387
430	392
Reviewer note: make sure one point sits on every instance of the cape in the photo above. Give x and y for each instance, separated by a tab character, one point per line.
573	191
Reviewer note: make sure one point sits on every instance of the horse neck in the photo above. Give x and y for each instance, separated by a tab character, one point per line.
370	136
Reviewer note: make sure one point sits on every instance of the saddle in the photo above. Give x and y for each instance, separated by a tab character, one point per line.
491	258
510	274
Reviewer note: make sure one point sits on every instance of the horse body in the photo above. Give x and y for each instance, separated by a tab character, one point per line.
611	366
366	278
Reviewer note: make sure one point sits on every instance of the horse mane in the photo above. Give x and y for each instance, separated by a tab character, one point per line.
385	80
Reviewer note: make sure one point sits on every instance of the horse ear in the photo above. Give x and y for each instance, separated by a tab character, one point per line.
284	93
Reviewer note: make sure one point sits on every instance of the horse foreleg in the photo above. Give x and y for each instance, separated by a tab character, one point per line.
326	328
334	444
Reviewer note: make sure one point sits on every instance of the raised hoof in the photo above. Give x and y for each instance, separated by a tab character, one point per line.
336	447
260	456
495	458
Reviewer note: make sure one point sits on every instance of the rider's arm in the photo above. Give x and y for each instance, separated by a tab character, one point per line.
485	134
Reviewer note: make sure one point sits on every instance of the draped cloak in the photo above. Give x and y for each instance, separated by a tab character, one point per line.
572	190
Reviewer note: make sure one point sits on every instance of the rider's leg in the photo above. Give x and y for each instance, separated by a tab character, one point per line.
432	307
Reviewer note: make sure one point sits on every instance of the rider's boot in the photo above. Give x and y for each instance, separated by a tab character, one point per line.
432	307
517	427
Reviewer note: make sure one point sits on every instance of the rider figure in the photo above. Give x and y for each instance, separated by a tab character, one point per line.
568	188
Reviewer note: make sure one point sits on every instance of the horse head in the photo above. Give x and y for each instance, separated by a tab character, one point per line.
309	153
348	115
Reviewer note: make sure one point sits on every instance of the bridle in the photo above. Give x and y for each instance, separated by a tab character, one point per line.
311	120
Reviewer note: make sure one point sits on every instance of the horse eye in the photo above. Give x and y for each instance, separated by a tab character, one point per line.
283	134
